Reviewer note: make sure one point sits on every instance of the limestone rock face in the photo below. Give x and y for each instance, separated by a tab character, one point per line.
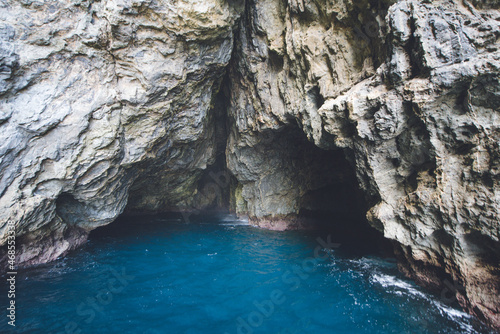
290	59
129	103
410	91
98	97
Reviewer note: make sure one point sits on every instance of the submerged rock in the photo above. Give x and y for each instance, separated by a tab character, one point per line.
134	105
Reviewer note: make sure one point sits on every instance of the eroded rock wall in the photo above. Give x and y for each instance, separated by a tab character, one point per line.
410	90
289	58
99	96
112	103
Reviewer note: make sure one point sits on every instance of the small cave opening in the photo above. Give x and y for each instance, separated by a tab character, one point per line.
185	179
331	198
315	96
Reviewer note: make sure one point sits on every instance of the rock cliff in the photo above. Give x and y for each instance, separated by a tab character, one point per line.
135	105
103	101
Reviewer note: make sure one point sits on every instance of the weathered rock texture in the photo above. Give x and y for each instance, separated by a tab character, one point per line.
411	91
106	103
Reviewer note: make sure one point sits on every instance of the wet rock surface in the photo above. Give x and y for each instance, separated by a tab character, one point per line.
131	105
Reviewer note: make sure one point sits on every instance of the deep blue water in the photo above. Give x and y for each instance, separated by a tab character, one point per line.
162	276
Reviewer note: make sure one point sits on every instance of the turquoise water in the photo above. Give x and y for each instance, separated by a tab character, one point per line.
163	276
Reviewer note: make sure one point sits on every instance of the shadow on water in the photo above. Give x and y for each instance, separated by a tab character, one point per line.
354	236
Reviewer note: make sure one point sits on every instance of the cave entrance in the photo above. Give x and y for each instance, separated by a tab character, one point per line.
287	182
187	179
334	203
280	174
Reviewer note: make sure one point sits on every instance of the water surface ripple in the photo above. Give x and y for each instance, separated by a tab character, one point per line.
161	276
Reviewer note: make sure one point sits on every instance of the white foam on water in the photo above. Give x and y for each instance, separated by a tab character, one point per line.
236	223
403	287
390	281
168	220
227	217
455	315
450	311
371	264
233	220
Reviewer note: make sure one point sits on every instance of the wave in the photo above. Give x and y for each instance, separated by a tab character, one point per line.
398	286
233	220
388	281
